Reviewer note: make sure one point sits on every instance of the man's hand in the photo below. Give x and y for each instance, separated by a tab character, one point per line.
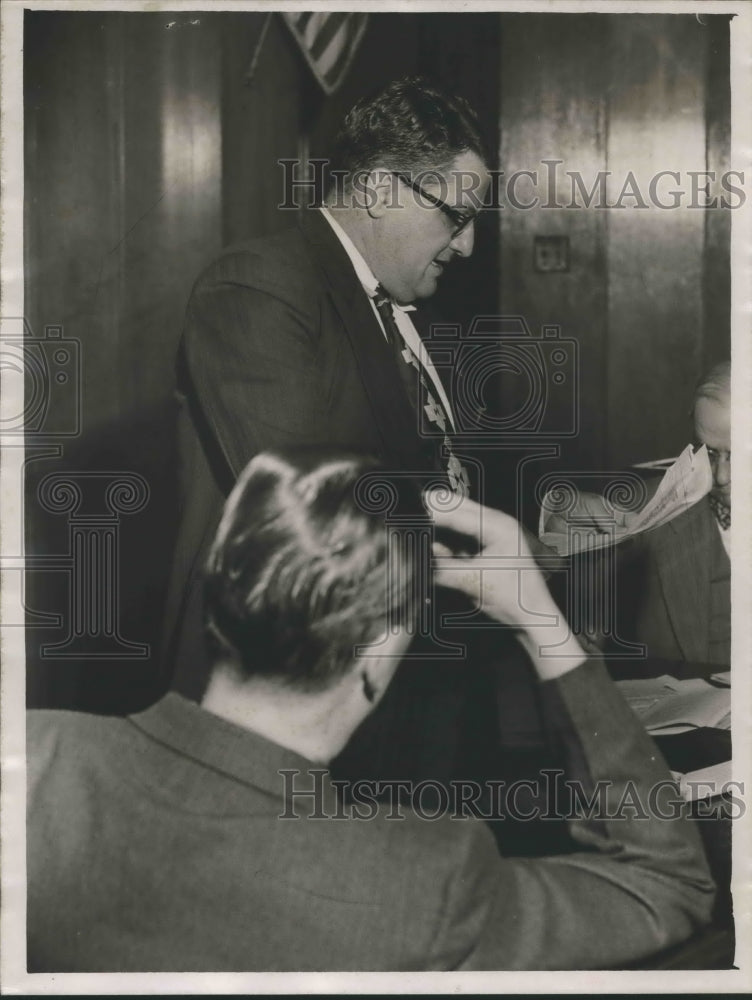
505	581
492	577
547	558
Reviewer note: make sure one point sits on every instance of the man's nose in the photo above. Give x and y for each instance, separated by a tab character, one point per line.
722	471
463	243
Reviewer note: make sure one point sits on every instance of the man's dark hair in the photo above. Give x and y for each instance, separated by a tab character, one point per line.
302	569
409	126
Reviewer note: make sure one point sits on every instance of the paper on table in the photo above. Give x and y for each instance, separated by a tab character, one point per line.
666	705
704	783
688	480
642	695
722	677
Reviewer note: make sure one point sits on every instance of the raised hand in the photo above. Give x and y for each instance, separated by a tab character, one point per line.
504	580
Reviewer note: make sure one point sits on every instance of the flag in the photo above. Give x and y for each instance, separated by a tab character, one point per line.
328	41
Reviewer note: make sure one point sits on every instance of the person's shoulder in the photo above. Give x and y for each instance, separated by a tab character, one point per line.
62	743
56	720
438	873
425	871
47	729
279	260
690	527
278	244
448	843
428	846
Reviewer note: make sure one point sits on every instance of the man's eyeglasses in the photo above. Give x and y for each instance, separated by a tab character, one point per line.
460	220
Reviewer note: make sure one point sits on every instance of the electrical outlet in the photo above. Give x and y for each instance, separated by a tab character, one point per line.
551	253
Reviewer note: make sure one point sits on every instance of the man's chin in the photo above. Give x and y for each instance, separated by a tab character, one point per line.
422	289
429	283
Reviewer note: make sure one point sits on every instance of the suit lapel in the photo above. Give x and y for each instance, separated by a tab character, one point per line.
685	557
393	417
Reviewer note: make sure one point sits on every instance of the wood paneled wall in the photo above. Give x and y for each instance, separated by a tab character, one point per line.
262	120
654	322
646	295
553	108
146	151
122	206
123	189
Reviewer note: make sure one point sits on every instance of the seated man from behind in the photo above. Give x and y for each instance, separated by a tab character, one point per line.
210	838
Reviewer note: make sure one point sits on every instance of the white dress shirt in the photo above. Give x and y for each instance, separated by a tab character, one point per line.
401	313
725	537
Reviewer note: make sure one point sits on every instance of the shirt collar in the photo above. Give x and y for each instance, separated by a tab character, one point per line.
365	275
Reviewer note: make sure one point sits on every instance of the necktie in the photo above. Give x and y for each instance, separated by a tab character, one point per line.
414	379
721	511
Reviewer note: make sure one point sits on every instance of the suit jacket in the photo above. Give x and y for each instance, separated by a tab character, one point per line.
280	348
669	589
156	843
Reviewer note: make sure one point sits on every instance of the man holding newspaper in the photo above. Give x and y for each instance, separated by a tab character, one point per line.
673	589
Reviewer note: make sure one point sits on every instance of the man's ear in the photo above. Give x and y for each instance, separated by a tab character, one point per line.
377	192
377	663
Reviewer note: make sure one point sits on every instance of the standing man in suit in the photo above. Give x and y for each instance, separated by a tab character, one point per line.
306	338
679	583
211	838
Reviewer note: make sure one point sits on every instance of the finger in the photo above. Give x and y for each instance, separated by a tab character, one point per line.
462	515
466	580
440	550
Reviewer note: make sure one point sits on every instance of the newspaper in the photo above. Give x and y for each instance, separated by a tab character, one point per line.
593	523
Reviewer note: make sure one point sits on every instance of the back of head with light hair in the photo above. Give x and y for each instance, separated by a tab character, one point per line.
715	384
303	570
